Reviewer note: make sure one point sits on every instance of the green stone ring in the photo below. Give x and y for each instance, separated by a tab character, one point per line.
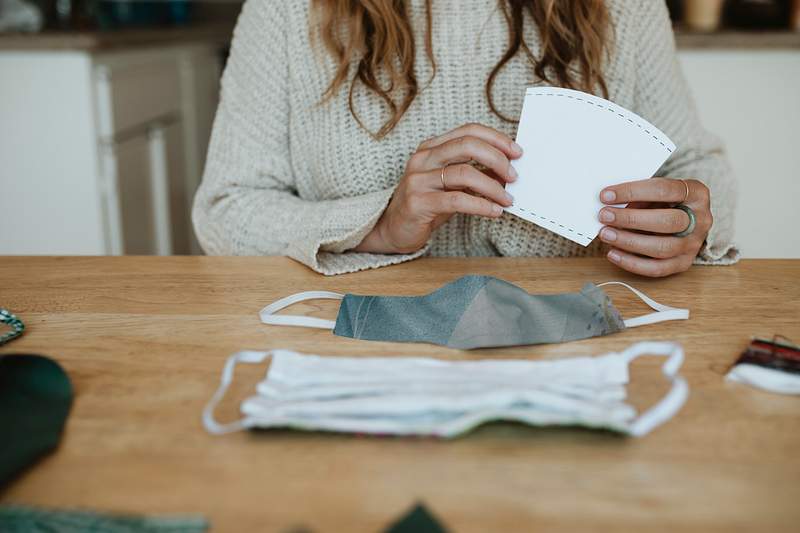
692	221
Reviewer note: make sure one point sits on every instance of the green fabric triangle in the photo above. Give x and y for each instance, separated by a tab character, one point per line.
418	520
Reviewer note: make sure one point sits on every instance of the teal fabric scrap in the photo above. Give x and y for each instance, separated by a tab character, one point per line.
20	519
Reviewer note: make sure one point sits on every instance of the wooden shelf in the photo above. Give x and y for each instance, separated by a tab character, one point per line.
106	40
737	39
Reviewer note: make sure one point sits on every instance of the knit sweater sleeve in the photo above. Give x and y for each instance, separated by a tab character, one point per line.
248	202
663	97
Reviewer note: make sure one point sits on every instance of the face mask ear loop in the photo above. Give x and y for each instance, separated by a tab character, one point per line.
662	312
268	315
672	402
210	423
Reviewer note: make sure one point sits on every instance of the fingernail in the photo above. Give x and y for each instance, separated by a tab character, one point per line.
516	148
608	196
606	216
614	256
512	173
509	198
608	235
496	209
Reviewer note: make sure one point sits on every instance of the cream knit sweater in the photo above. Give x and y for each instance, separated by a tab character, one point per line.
286	176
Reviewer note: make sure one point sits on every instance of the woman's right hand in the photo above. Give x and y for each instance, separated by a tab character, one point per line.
421	204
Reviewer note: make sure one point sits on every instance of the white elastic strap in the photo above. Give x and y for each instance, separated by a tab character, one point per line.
672	402
662	312
212	426
268	315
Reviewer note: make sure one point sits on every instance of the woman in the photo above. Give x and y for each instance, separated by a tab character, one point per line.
348	132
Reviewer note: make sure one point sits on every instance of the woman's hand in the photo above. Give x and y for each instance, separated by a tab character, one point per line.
427	196
642	234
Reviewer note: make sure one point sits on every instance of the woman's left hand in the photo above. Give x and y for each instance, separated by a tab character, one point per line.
642	234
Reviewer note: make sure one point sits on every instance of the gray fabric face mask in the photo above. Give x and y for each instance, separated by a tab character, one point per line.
475	312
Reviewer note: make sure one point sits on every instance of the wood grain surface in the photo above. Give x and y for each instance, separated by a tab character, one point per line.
144	340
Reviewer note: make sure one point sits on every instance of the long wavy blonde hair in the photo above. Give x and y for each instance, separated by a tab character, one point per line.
377	36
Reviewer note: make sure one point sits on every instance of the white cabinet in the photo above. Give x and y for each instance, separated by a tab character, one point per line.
131	203
146	199
101	153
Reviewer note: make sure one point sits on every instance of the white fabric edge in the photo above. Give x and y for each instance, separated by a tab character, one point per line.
765	379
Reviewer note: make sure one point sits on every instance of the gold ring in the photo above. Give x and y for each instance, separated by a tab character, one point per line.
686	196
444	185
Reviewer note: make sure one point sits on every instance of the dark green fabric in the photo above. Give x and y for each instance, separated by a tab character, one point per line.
16	519
35	399
418	520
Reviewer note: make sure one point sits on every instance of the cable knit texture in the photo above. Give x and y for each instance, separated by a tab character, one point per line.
288	176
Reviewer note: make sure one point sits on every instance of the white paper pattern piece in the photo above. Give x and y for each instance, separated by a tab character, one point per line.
575	144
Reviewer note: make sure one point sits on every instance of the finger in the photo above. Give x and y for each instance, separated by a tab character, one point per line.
655	220
657	246
451	202
654	268
498	139
464	176
699	195
463	149
663	190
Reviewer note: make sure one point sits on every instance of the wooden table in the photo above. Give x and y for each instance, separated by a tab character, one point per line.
144	341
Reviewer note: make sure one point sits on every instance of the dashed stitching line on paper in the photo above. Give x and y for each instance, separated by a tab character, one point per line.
608	108
585	237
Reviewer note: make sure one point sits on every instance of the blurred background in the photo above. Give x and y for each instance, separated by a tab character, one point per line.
106	109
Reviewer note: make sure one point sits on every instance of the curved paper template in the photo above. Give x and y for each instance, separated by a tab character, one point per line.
575	144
